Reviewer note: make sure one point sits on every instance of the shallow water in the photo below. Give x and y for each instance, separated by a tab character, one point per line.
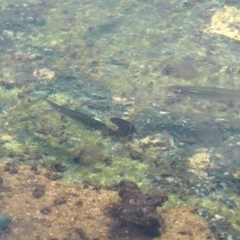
117	59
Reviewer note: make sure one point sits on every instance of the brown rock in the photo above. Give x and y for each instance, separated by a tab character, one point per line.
183	223
140	209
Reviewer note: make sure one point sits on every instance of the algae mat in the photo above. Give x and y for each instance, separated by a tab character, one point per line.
226	22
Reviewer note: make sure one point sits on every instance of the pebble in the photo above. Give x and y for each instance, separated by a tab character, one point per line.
4	221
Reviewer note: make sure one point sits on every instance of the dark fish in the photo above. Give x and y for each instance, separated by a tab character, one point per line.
79	117
211	93
125	127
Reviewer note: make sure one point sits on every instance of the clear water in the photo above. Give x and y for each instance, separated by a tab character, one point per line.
109	59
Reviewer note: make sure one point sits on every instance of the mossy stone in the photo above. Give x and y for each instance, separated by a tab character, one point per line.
4	221
90	155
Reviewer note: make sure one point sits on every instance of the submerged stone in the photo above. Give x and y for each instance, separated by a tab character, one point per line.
225	22
90	155
4	221
139	209
183	69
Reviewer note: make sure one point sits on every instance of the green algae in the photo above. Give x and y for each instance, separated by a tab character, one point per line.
42	131
127	60
132	75
45	130
110	175
72	39
175	201
51	36
222	210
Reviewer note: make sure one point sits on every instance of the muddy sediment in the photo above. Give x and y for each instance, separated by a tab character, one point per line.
41	208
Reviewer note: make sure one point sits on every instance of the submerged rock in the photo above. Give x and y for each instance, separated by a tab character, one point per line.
139	209
182	69
225	22
90	155
4	221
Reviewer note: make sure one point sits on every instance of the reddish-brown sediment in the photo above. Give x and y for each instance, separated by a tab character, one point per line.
184	224
43	209
73	210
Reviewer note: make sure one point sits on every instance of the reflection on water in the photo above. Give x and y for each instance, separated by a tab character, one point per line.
161	77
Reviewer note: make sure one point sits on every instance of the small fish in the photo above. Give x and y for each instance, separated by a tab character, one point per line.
210	93
79	117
